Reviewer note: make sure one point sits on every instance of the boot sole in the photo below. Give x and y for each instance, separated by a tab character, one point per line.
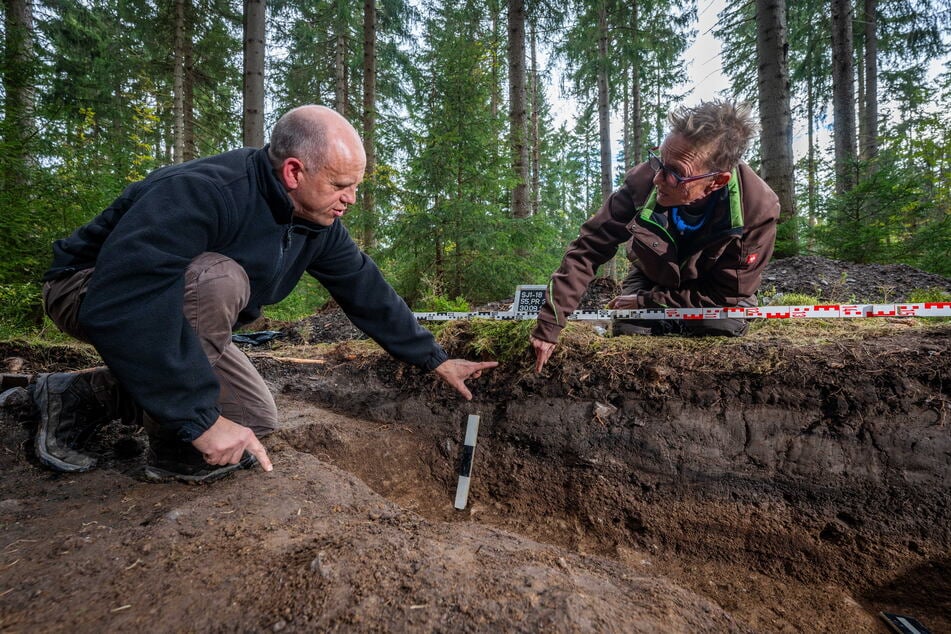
157	474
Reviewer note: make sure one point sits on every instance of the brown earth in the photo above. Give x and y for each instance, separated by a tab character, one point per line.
798	479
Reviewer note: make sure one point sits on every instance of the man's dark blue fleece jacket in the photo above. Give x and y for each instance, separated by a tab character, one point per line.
232	204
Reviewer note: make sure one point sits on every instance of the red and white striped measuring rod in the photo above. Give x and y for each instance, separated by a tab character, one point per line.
826	311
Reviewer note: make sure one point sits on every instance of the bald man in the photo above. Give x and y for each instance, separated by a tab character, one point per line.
158	281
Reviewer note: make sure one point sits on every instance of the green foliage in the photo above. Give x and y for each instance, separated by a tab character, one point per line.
655	45
102	82
929	247
309	32
433	301
934	294
22	230
454	229
21	309
888	217
787	237
306	298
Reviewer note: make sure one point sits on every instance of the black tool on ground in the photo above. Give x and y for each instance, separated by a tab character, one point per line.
256	338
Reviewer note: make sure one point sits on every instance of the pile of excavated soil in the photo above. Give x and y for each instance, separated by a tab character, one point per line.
798	479
845	282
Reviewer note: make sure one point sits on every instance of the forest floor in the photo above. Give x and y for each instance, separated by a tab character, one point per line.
797	479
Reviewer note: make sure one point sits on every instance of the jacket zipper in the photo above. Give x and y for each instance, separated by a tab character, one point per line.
285	246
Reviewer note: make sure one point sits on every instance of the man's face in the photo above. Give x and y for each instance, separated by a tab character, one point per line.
679	156
322	195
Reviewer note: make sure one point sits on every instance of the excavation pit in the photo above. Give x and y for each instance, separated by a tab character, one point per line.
799	485
794	480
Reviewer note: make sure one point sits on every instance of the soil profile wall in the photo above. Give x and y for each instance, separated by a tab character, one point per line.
861	426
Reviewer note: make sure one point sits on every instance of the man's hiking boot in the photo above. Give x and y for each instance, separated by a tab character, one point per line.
170	458
72	406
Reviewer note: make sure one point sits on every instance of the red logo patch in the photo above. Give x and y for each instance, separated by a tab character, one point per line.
751	258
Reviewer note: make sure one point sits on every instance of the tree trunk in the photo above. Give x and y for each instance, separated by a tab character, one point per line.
369	123
811	178
535	129
626	121
18	89
637	136
189	147
843	96
496	97
772	49
869	140
604	105
340	60
517	115
178	82
860	91
255	12
604	118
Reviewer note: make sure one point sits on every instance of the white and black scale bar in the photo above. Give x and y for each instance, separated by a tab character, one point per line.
465	466
830	311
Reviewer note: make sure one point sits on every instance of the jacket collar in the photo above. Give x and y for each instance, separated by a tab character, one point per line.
734	195
272	189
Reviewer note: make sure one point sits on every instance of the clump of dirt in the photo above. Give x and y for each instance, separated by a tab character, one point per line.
600	291
329	324
793	480
21	357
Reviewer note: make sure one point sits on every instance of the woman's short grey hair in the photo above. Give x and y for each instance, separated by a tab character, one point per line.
721	130
301	135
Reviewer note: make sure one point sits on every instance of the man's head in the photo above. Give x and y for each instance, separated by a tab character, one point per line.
705	143
319	157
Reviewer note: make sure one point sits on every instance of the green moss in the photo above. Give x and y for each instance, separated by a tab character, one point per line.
502	341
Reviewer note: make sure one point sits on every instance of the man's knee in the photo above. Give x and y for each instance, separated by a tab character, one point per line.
718	328
215	284
62	299
635	281
656	327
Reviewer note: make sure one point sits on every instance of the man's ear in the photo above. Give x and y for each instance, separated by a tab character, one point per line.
290	173
721	179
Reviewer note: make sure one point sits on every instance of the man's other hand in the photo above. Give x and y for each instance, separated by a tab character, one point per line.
456	371
543	350
623	302
226	441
